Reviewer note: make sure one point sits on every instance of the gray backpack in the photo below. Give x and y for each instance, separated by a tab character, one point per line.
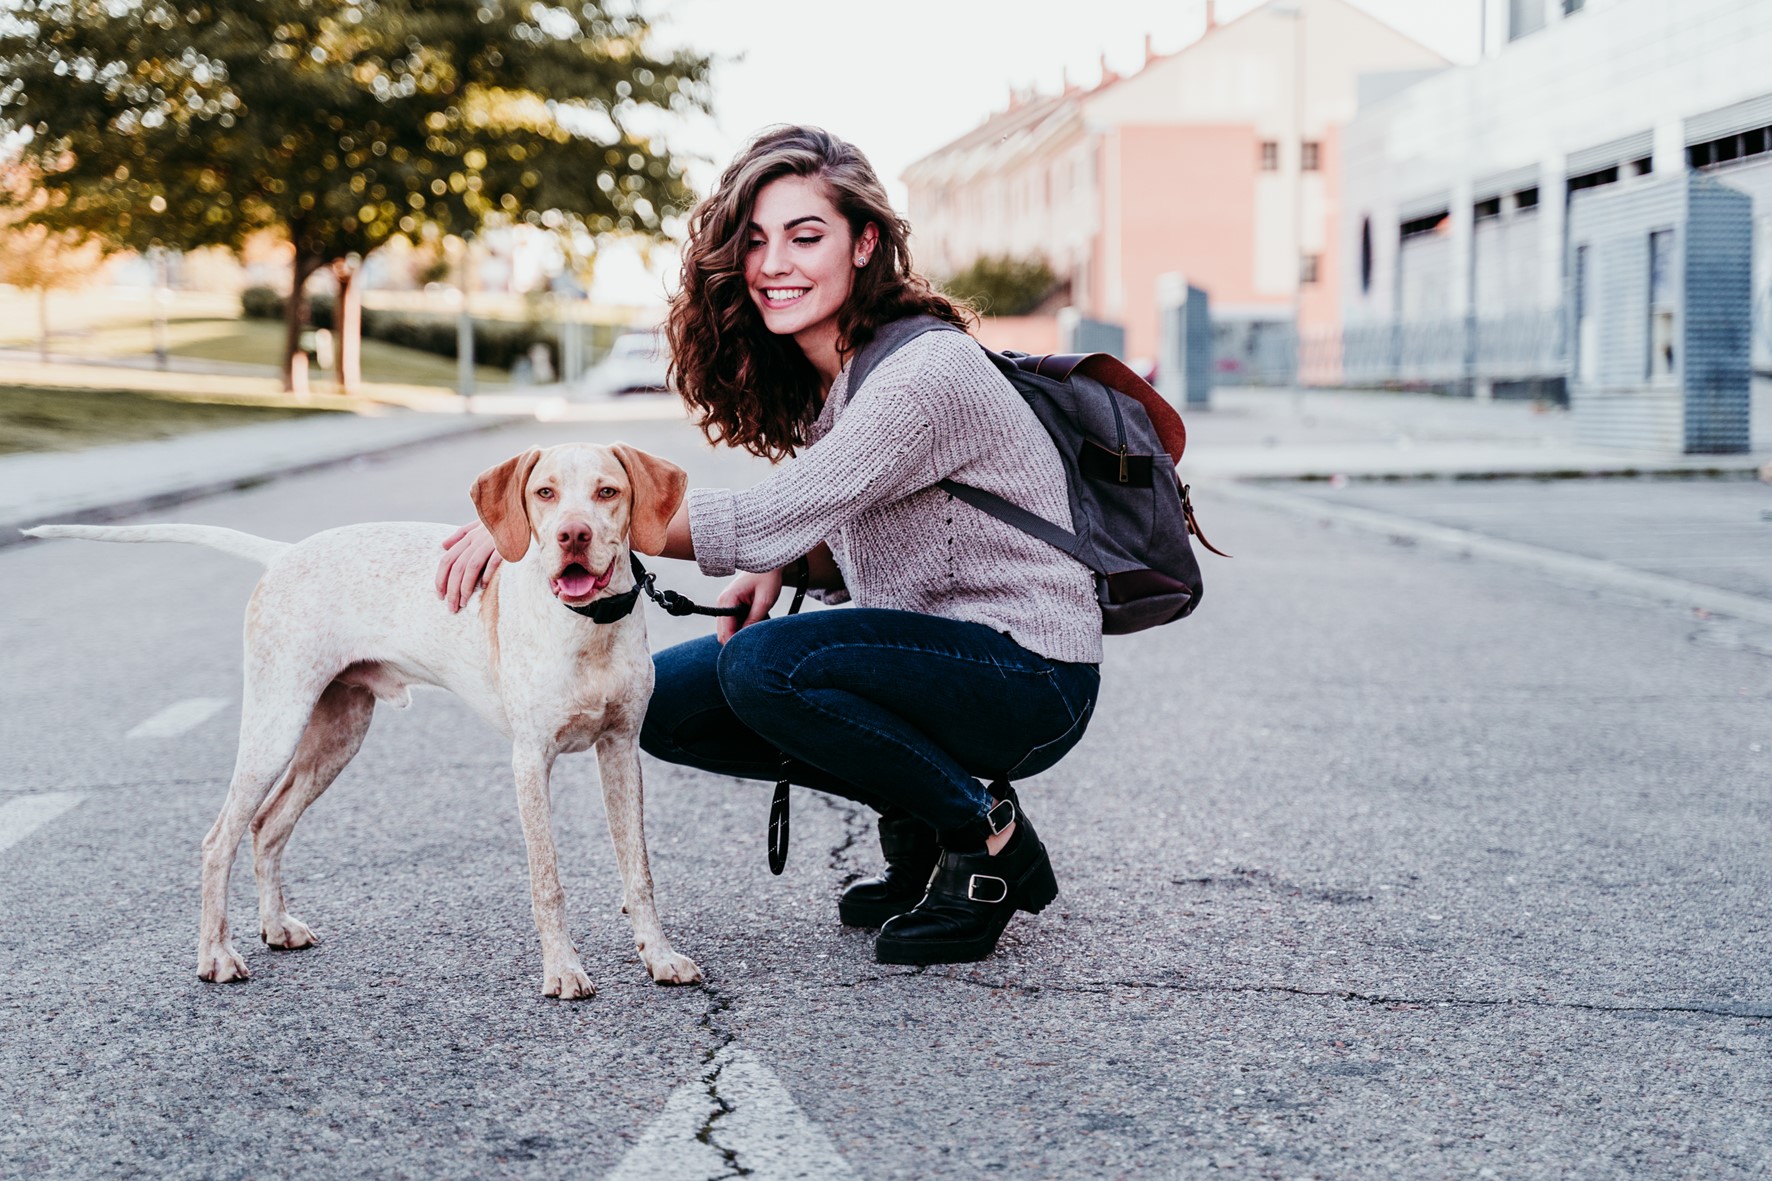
1120	442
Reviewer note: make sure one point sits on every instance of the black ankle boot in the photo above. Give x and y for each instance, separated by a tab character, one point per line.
970	901
911	853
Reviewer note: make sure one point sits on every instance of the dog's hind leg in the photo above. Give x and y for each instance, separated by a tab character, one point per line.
273	715
333	736
618	763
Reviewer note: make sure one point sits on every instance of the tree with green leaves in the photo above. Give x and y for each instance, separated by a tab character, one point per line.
1000	285
341	123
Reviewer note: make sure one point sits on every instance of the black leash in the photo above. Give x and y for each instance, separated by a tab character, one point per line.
618	607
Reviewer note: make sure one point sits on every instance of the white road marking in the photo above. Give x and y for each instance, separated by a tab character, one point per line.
764	1130
178	717
21	817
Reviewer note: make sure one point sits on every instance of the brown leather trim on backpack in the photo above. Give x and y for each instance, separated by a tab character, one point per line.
1193	526
1113	373
1129	586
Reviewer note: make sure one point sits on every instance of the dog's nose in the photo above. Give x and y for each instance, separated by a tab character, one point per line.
575	533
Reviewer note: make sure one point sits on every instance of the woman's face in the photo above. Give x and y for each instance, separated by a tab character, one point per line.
801	259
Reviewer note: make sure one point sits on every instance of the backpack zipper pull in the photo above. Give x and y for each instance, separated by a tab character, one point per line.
1125	475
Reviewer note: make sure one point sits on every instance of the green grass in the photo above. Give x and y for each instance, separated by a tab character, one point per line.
38	419
260	342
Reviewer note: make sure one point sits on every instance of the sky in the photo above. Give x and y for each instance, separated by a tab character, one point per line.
899	79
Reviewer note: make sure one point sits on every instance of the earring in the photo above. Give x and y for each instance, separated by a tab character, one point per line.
861	260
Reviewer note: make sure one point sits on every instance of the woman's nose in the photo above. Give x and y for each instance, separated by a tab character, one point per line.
775	259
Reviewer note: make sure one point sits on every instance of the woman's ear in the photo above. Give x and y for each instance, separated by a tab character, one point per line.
866	244
659	485
503	507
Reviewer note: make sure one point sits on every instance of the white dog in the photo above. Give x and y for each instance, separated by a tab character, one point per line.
351	615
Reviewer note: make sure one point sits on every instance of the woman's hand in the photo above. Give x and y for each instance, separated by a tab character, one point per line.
757	592
469	559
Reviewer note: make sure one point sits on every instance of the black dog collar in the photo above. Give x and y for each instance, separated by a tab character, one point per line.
615	607
619	607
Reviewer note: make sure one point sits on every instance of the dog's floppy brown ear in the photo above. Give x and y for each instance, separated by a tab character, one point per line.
659	485
504	509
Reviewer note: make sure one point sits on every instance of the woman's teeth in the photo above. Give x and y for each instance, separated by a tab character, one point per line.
783	294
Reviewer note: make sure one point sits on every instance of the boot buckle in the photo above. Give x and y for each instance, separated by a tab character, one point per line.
1000	817
972	884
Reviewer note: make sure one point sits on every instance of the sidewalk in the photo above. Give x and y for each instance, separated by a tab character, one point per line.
1259	434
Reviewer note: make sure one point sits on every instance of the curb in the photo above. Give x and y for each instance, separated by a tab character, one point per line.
99	512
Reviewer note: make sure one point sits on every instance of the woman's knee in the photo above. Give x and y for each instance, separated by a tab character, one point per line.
755	668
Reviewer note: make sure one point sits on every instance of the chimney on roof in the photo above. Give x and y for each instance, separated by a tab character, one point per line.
1107	73
1211	15
1064	75
1150	49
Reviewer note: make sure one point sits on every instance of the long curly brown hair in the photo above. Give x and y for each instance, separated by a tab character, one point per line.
749	387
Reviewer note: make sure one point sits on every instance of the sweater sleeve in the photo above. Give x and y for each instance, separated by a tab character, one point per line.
881	448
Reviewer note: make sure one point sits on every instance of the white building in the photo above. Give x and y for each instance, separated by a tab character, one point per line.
1456	187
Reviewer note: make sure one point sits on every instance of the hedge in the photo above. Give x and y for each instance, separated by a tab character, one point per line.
497	343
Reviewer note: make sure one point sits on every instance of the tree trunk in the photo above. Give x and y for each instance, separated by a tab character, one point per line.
347	327
295	317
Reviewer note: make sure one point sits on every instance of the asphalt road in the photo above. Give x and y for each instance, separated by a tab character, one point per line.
1387	864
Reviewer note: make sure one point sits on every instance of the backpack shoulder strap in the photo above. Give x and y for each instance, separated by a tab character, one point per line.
993	505
888	340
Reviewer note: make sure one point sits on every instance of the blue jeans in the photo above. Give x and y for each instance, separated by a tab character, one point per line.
897	710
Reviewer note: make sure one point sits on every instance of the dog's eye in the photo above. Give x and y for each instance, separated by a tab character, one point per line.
545	493
606	493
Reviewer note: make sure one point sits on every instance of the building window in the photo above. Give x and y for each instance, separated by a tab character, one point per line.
1738	146
1365	255
1587	353
1309	266
1573	6
1421	227
1489	210
1270	156
1310	156
1526	199
1593	180
1524	16
1661	305
1642	167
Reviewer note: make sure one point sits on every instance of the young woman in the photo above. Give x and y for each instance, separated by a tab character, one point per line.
971	650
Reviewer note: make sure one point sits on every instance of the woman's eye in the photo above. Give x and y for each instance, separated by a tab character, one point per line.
753	243
809	241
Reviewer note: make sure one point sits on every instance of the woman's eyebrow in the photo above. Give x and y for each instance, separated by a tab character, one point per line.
757	229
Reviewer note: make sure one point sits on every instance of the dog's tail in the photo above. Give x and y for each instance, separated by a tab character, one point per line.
229	541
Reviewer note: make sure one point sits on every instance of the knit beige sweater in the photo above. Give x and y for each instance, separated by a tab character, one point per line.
866	485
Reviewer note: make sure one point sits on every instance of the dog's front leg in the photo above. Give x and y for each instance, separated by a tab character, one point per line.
618	762
562	973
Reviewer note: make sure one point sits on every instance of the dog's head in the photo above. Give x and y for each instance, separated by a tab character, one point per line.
582	505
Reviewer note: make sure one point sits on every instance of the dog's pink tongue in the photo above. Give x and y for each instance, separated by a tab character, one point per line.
573	586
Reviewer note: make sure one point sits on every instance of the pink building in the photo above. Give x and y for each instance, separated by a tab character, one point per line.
1217	162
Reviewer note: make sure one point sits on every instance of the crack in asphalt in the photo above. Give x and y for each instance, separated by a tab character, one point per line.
719	1004
1749	1011
855	830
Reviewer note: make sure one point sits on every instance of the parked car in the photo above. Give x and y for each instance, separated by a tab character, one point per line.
638	363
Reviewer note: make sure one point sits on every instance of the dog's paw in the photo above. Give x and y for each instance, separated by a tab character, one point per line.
219	963
667	967
286	932
566	981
